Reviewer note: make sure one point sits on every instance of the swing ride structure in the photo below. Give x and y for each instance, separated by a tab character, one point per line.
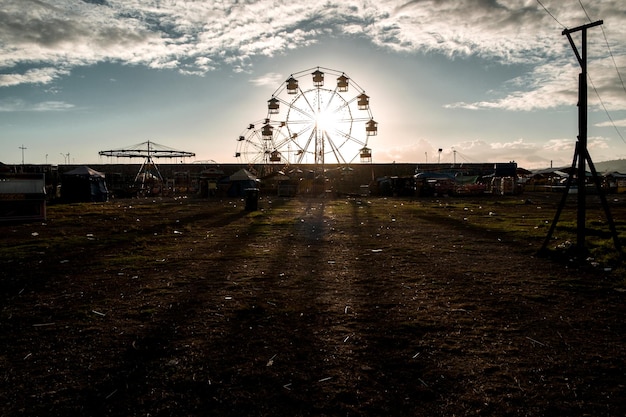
149	152
312	121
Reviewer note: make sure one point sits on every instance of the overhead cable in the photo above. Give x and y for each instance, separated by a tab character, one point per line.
551	15
606	110
616	69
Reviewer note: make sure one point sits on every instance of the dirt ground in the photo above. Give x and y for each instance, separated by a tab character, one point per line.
307	307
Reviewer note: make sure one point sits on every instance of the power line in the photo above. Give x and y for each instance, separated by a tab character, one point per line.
616	69
614	62
605	110
584	10
608	46
612	57
551	15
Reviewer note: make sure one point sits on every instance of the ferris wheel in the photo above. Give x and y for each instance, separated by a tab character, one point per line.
325	122
310	122
259	144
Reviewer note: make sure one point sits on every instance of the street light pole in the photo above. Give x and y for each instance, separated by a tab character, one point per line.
22	148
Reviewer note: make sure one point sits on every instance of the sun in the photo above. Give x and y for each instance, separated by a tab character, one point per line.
326	120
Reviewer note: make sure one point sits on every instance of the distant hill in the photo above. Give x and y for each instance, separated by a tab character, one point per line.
618	165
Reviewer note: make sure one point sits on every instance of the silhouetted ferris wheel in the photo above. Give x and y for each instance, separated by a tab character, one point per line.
312	121
259	144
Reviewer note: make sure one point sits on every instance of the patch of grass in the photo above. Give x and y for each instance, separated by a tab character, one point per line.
266	227
521	220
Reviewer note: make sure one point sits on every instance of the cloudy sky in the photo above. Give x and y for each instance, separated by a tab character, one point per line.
483	80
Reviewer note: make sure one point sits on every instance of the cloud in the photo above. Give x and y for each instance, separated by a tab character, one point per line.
516	144
558	145
269	79
32	76
529	155
618	123
568	145
545	86
597	142
196	37
18	105
69	34
52	106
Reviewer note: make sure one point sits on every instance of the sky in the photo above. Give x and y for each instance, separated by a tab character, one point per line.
480	80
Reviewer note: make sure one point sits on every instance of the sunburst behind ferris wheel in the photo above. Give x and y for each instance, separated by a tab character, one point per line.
325	121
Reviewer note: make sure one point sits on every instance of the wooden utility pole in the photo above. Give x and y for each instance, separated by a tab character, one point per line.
581	154
582	129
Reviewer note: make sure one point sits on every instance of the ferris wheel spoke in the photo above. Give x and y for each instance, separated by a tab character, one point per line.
348	138
339	141
300	130
355	140
279	144
342	126
333	94
257	146
300	122
311	108
307	115
310	139
306	148
334	148
341	106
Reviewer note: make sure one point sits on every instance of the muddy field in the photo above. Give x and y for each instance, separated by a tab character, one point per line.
309	307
